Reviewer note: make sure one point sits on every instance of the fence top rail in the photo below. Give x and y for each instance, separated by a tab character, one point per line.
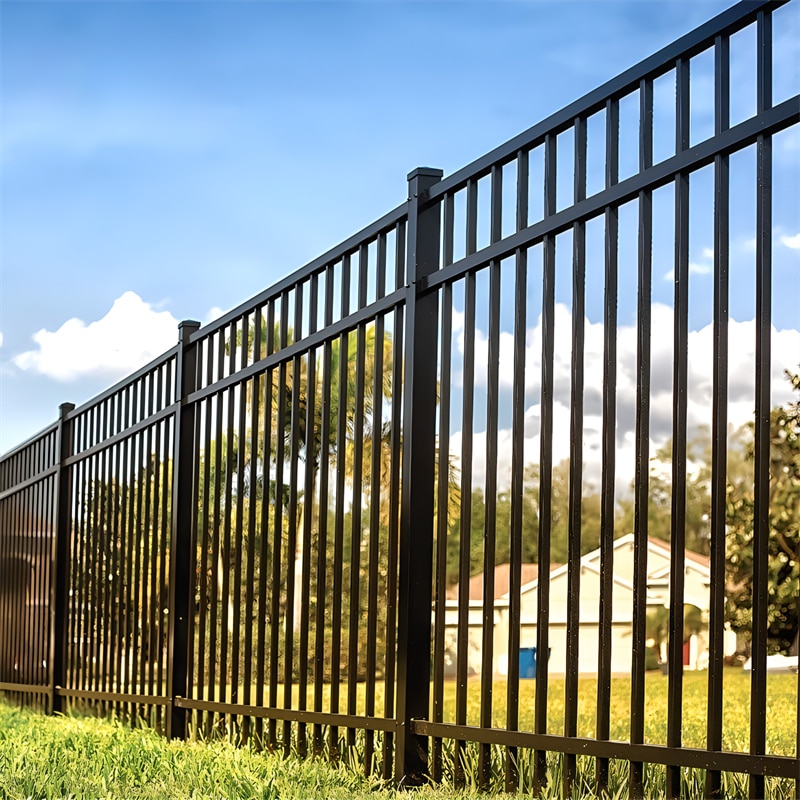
694	42
745	133
122	384
80	410
17	449
349	245
18	487
362	316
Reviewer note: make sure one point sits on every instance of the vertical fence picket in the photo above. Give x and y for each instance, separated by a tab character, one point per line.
321	598
307	515
545	467
338	546
761	523
679	423
490	517
442	490
517	473
292	526
356	527
642	463
465	523
576	456
720	413
264	574
395	468
376	466
608	477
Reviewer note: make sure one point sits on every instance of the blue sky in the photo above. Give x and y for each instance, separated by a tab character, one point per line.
165	160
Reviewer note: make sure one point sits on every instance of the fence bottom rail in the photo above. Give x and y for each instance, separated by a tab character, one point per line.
775	766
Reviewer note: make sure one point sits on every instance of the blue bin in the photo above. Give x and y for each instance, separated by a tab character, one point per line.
527	662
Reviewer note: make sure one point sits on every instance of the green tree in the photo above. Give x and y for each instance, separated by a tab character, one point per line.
559	523
659	507
657	629
784	531
327	412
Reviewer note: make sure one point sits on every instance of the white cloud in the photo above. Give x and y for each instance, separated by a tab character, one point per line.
695	268
698	268
785	347
130	335
213	314
1	338
705	264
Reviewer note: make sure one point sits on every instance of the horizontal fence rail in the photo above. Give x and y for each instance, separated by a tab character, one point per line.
358	512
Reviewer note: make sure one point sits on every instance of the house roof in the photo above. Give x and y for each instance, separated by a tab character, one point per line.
660	544
502	580
530	572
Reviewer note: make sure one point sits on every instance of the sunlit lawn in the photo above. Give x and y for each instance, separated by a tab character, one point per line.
781	707
57	757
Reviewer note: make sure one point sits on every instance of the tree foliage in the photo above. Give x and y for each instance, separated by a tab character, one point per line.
659	508
559	523
784	519
784	532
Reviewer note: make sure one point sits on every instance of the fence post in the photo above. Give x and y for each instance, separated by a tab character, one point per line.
180	561
59	563
417	506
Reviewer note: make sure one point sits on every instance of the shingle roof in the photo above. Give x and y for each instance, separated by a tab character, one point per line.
502	579
530	572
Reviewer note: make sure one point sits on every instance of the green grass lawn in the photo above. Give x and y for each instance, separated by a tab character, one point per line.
82	757
781	708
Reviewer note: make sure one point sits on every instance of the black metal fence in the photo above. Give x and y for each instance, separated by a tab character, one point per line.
256	533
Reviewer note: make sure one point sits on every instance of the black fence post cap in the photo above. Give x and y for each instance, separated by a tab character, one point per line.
422	178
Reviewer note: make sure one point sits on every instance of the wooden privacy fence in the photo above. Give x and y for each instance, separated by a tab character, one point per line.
269	529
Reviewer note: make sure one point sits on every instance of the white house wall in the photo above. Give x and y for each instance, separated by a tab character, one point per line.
474	642
589	618
658	564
